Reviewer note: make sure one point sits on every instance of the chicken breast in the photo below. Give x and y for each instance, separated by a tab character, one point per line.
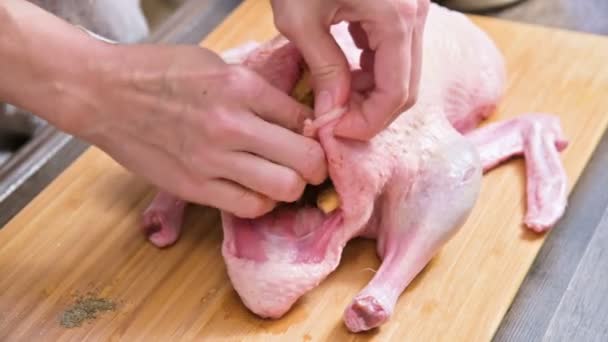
411	187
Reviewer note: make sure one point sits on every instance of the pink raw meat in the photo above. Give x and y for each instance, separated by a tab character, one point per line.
411	187
539	138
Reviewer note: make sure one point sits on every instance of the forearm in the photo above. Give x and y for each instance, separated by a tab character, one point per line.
46	64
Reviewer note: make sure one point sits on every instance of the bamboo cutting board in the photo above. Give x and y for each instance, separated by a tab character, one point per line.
82	233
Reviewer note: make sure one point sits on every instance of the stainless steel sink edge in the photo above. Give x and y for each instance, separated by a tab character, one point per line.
30	158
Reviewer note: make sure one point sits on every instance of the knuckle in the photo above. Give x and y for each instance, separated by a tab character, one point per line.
282	23
296	121
245	83
411	100
238	79
225	127
314	161
370	132
315	153
292	187
254	205
198	192
288	23
398	101
328	71
244	203
402	96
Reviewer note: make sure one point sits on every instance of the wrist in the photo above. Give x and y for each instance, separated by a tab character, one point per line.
86	90
74	88
53	65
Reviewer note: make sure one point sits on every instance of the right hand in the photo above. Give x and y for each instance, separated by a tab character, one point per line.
203	130
389	33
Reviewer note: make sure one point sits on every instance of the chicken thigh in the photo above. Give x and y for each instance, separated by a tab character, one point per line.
411	187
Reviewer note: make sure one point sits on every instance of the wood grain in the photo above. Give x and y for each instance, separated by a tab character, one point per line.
81	233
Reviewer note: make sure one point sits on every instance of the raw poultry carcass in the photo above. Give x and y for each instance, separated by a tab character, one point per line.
411	187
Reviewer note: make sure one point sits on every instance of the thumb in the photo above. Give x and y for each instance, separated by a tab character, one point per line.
329	69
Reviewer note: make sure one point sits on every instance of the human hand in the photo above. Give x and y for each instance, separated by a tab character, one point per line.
390	34
201	129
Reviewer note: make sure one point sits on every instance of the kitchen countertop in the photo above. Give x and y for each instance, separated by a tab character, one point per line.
563	296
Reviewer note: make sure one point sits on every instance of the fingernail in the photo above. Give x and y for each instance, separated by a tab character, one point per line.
324	102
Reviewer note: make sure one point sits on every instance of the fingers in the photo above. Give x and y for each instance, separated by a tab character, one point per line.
416	53
328	66
266	126
275	137
169	174
391	81
396	60
392	73
281	146
236	199
273	105
276	182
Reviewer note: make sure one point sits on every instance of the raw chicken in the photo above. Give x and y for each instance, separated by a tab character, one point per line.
411	187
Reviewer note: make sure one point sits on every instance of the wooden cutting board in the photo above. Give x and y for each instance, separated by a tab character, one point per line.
82	233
